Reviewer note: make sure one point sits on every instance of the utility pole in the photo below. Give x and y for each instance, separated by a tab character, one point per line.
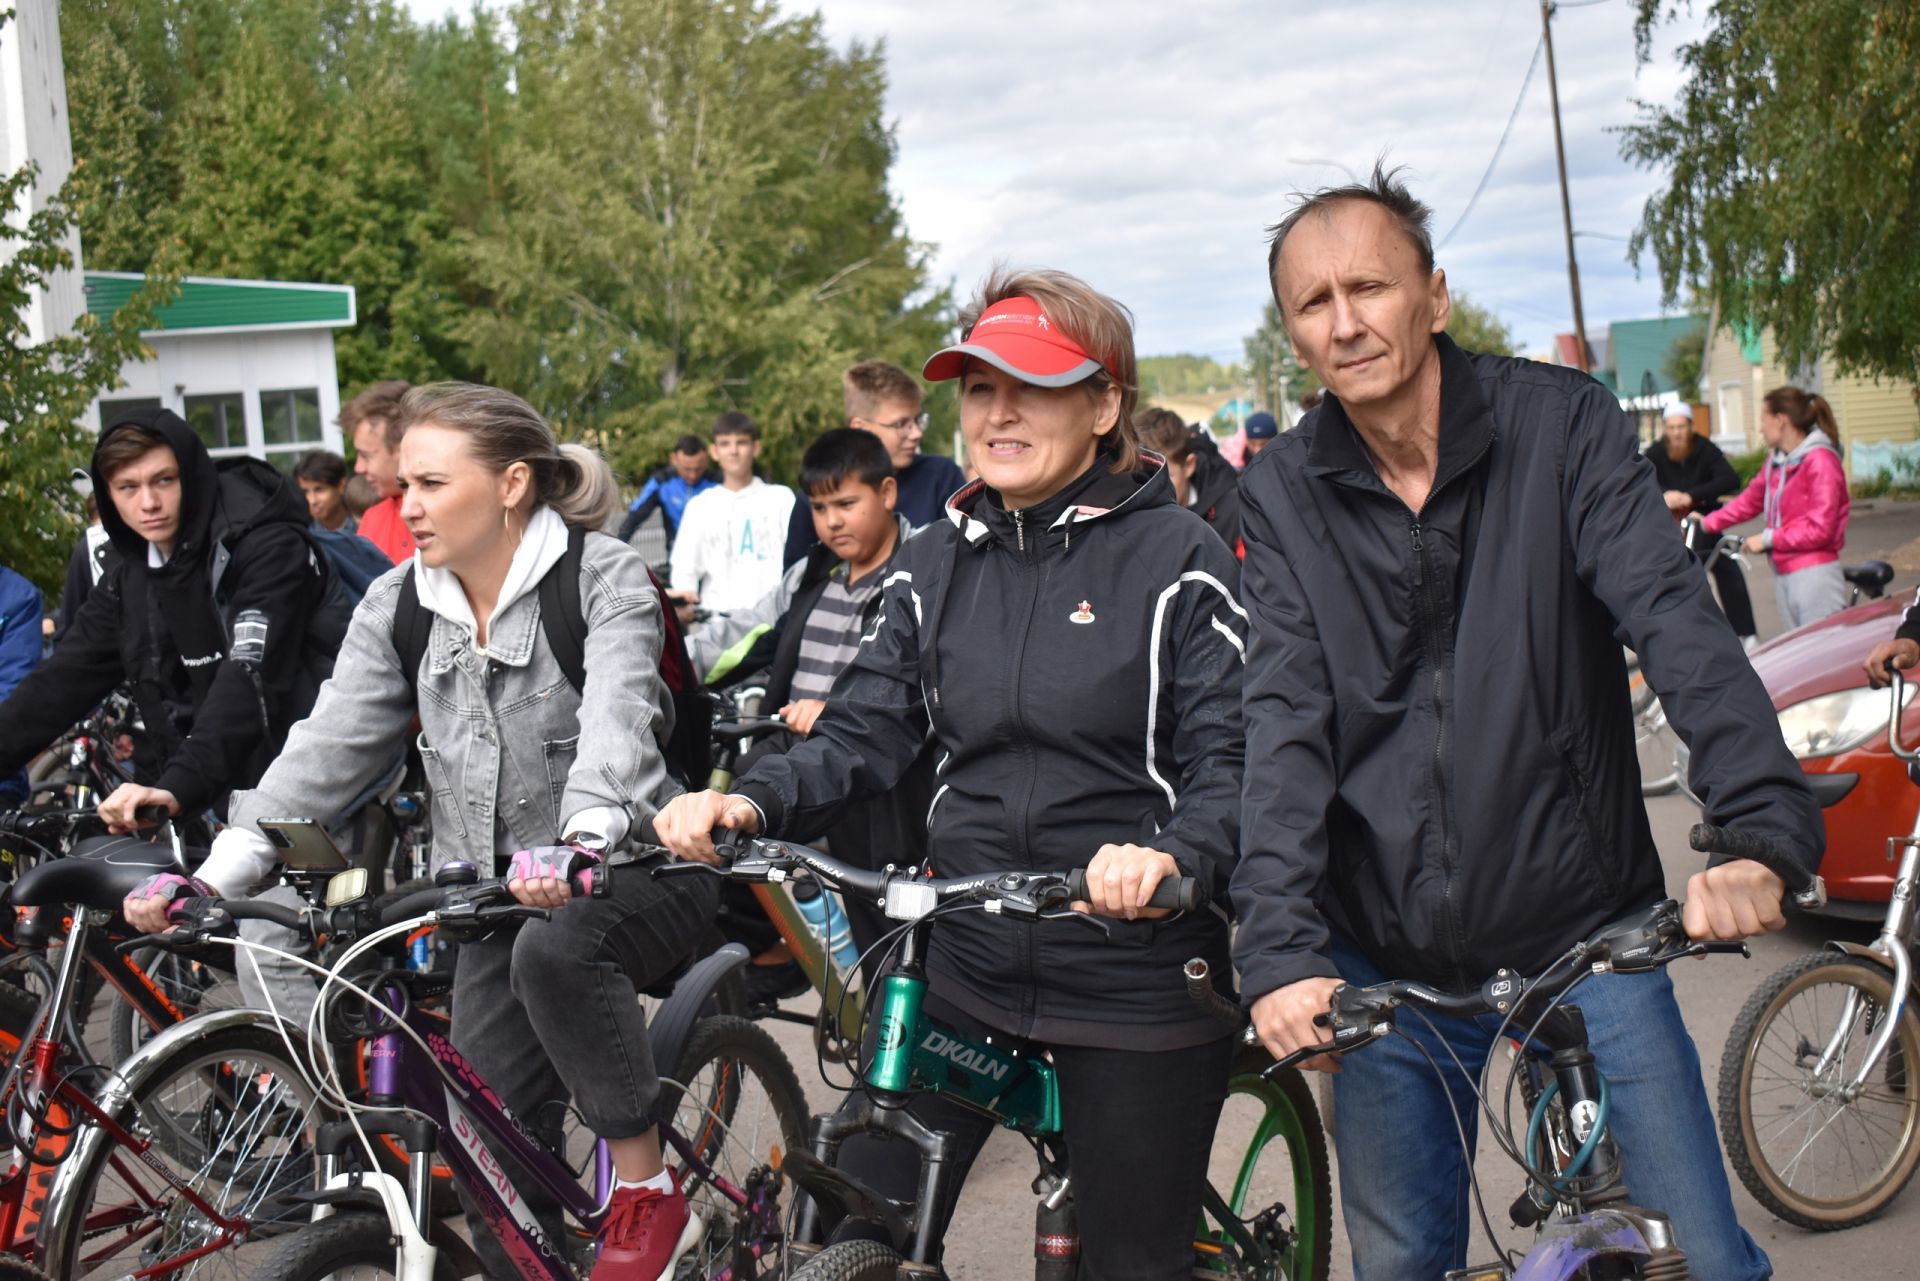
1566	204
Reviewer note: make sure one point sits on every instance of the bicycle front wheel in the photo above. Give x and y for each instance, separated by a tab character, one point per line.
1809	1149
231	1118
736	1104
346	1247
852	1261
1269	1204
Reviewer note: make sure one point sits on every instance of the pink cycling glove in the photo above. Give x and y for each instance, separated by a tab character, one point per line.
177	889
563	861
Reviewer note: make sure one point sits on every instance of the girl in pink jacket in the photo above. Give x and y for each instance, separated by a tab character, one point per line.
1803	493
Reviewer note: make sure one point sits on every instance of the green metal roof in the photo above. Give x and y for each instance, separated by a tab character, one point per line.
1643	346
207	304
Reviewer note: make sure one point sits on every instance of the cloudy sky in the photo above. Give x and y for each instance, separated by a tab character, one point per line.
1144	144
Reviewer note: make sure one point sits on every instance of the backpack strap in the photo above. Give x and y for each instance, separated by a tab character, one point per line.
561	616
412	626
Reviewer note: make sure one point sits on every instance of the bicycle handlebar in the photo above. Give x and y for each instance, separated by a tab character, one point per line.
1897	688
905	896
1641	943
1778	857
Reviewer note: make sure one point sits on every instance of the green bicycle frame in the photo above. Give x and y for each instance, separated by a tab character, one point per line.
915	1054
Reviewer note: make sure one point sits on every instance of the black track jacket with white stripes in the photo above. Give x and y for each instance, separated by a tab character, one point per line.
1079	664
1436	702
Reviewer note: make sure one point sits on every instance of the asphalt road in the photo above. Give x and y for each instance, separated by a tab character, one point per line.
991	1239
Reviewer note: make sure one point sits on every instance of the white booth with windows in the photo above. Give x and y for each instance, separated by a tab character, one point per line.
248	363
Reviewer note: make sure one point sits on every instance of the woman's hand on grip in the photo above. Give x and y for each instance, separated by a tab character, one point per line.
1121	879
685	825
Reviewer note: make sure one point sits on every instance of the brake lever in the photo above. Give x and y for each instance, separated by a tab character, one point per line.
1068	914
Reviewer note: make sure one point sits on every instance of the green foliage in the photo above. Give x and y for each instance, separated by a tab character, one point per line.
636	213
1186	376
1899	480
1793	161
1478	328
694	218
45	388
1685	359
1276	373
1748	465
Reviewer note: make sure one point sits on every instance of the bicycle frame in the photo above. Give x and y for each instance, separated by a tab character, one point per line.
30	1191
915	1053
441	1086
437	1092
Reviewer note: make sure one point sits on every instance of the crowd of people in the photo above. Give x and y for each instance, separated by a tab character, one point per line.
1103	646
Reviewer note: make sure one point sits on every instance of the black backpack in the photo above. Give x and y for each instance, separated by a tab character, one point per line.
563	621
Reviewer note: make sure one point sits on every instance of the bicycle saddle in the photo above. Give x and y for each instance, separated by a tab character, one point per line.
1869	576
100	872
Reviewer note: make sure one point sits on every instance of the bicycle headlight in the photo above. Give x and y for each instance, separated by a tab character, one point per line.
1836	722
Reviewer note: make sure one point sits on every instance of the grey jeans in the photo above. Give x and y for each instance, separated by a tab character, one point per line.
1809	595
551	1011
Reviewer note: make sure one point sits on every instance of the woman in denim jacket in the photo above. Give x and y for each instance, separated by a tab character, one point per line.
517	759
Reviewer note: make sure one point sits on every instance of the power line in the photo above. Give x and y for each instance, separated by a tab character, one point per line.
1498	147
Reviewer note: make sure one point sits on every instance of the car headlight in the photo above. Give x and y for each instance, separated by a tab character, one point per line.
1835	723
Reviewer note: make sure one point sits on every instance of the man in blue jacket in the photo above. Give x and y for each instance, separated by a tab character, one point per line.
1442	560
19	654
670	489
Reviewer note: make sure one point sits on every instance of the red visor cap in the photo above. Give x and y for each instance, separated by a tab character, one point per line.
1015	337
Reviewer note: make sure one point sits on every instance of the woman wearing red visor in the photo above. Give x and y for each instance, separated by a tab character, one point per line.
1069	634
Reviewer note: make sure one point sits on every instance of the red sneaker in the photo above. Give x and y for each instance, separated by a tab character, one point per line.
644	1234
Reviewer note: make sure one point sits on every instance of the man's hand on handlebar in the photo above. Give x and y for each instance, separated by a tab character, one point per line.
117	811
1284	1018
1733	901
1899	651
1120	880
685	826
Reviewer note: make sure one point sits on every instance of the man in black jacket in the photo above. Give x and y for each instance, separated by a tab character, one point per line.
1441	563
208	612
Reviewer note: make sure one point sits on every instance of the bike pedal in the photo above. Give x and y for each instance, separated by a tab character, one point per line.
1484	1272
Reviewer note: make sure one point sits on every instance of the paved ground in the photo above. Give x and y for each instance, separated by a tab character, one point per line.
993	1229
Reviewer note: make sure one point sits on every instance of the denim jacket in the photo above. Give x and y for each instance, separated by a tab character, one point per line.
511	752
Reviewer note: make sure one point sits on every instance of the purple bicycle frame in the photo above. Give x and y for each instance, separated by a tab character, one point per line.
474	1127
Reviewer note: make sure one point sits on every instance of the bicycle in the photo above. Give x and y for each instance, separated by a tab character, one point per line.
1576	1197
729	1107
1248	1230
842	996
1819	1110
188	1149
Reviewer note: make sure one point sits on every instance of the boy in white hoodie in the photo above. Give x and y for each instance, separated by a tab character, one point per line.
732	538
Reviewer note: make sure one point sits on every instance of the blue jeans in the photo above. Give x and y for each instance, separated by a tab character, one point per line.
1404	1181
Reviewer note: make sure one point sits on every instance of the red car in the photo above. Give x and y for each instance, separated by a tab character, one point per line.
1836	724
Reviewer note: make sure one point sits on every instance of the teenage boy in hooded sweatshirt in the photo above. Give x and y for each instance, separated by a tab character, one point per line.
806	630
200	548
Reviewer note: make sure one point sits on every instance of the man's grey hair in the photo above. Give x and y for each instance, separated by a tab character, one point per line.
1385	189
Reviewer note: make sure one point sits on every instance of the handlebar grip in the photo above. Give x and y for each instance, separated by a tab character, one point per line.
1808	890
151	814
1182	893
418	903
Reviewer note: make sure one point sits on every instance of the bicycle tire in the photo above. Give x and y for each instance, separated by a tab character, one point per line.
852	1261
1756	1115
192	986
736	1099
357	1240
1290	1208
244	1150
12	1269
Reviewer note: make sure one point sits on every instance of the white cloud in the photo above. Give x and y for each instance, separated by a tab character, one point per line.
1145	144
